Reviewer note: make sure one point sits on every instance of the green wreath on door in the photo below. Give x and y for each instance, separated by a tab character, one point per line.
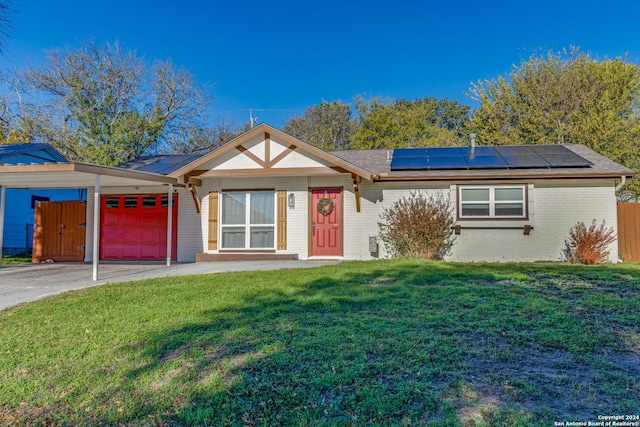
325	206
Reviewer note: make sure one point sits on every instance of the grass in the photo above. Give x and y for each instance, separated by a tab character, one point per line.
16	259
360	343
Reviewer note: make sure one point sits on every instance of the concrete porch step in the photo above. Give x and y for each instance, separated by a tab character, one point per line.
245	257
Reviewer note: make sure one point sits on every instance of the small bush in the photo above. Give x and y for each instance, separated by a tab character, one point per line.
418	226
589	245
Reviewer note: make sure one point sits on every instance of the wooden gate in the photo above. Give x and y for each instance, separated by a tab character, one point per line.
629	231
59	231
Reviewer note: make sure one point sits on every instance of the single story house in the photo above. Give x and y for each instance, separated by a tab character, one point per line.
268	195
260	193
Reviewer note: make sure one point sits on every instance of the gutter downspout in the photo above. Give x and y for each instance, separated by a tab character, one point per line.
623	181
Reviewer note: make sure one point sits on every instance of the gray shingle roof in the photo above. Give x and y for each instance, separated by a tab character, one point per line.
377	163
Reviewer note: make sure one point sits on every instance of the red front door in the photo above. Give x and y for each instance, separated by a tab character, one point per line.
326	222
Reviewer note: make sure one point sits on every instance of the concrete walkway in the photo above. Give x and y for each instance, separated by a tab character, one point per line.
24	283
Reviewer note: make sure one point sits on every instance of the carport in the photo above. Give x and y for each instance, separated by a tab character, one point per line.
82	175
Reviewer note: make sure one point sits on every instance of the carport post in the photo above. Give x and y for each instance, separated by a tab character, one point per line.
169	223
3	197
96	227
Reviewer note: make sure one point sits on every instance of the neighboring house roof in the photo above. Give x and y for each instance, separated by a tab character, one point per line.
166	164
14	154
378	161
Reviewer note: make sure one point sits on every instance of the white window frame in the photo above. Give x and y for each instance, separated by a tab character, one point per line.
247	224
492	202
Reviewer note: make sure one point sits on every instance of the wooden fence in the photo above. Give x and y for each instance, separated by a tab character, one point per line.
629	231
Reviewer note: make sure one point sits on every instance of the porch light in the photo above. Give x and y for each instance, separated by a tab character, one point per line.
292	201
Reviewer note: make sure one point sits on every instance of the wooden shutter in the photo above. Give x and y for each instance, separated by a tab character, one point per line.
282	220
213	221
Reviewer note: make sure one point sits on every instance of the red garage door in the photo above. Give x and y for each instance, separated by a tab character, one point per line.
135	227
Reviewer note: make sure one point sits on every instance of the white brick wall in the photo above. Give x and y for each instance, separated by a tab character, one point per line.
556	205
189	226
374	198
297	218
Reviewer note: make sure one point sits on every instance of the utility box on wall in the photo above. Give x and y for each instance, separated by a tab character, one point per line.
373	245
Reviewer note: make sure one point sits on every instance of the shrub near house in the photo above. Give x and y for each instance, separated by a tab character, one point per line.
418	226
589	245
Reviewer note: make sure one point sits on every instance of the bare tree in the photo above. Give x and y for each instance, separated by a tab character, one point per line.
6	25
199	140
16	127
103	104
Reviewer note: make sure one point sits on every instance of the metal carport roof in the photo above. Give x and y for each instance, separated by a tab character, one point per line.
80	175
75	175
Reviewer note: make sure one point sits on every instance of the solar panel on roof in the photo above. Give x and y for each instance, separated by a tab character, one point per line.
447	162
526	161
409	152
408	163
160	164
486	162
515	150
567	159
500	157
443	152
548	149
479	151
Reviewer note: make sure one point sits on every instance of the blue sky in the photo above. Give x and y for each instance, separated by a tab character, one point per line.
278	57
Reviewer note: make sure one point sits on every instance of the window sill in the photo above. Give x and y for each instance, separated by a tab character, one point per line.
247	251
496	224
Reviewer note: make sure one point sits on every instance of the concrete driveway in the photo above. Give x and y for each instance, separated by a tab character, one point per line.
24	283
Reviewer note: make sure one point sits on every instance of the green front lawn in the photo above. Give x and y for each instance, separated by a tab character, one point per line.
359	343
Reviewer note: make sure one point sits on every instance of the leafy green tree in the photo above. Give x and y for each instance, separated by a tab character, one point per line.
402	123
103	104
566	97
328	126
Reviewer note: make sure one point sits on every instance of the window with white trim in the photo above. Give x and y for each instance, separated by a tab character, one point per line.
486	202
247	220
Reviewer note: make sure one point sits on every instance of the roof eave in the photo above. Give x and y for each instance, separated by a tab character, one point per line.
88	169
446	177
